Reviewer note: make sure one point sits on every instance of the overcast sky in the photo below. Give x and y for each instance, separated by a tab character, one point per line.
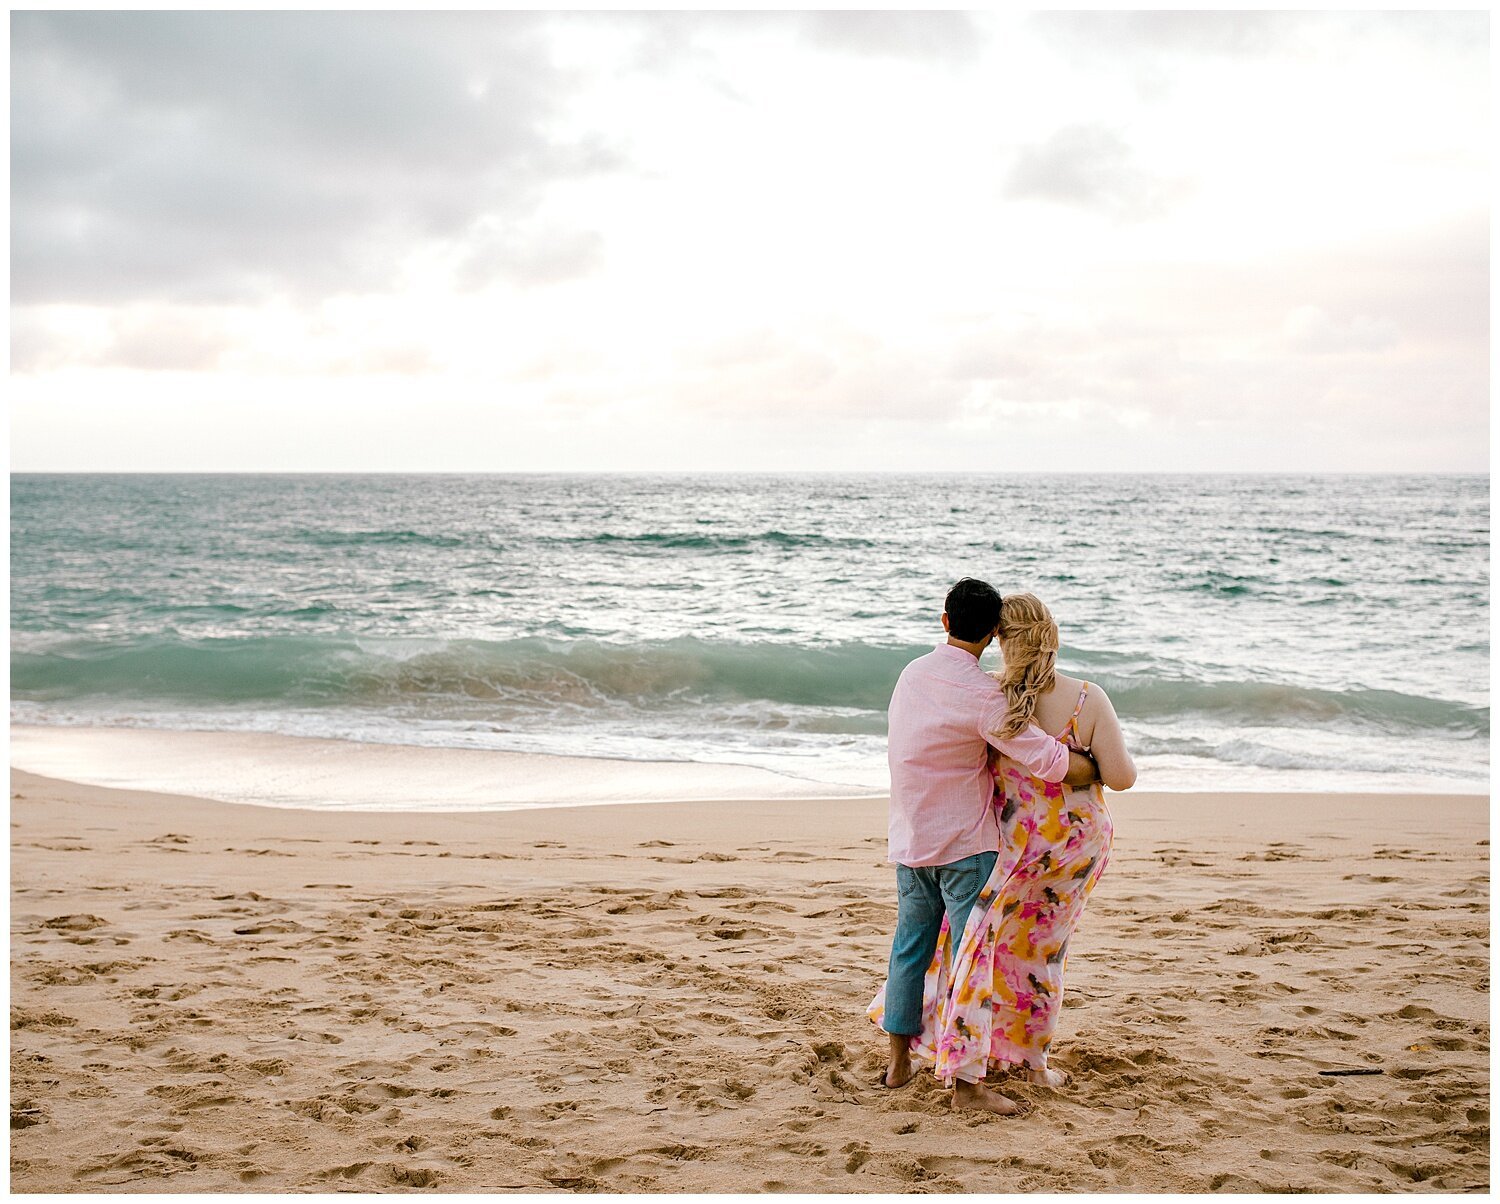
893	241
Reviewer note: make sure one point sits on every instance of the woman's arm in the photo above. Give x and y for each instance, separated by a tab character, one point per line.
1116	769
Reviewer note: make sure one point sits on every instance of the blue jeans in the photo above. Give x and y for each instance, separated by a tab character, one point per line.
926	892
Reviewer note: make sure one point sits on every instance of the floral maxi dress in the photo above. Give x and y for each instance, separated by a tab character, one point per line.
997	996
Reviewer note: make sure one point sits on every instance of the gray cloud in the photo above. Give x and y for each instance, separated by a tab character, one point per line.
1091	167
666	40
944	37
672	40
1199	32
1445	31
1127	36
223	156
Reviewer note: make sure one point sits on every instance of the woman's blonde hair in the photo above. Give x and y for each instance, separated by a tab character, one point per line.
1028	638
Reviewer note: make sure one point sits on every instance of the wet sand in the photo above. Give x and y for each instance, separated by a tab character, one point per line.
669	997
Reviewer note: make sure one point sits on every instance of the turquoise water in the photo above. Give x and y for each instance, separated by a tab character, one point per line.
1258	632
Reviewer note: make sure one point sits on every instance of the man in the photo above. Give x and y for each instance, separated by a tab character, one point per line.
944	834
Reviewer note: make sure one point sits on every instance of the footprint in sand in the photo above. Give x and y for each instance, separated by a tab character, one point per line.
352	1171
762	905
190	1098
74	923
728	930
411	1176
270	926
38	1018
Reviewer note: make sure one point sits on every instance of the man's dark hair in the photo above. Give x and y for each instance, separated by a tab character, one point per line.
973	610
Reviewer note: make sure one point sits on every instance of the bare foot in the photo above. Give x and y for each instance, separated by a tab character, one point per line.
900	1071
978	1097
898	1075
1046	1077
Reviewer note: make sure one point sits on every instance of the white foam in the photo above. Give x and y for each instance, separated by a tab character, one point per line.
293	771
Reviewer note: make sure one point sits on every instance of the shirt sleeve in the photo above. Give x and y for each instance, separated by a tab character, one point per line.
1041	754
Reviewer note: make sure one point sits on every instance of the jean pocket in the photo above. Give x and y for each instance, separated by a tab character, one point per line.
966	878
965	882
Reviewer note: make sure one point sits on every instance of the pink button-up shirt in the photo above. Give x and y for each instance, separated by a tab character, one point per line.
943	715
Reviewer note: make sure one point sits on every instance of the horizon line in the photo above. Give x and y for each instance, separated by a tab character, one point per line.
737	472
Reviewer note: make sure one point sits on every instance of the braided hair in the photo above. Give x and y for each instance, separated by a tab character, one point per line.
1028	639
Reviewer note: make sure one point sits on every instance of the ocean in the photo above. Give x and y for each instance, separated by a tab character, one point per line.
1321	632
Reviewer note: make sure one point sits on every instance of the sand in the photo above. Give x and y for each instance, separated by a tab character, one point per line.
670	997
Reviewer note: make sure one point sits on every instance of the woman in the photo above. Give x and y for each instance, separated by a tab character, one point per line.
996	997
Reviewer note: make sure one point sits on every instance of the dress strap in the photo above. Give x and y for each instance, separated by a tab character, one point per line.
1078	709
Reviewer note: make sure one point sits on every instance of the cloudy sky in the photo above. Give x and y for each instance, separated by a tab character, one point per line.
838	240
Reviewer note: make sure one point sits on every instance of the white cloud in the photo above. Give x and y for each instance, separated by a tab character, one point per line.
1311	329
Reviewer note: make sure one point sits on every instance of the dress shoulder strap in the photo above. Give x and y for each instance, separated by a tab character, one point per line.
1078	708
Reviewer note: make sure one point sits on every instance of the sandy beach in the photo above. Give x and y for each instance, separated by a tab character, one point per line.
669	997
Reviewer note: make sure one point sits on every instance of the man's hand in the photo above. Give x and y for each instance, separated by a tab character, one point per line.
1081	770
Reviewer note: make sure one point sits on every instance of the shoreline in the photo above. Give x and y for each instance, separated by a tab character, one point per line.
319	773
670	997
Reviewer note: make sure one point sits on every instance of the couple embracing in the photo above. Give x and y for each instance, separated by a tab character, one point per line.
999	831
